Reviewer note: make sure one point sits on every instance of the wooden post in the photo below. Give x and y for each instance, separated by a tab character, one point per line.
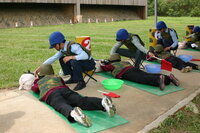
155	12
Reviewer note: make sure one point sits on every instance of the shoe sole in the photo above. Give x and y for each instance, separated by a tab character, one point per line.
70	82
162	82
77	87
175	81
185	70
189	69
85	118
112	109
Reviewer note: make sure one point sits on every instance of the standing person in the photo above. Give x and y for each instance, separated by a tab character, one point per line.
193	39
134	44
167	37
124	70
175	61
73	57
54	92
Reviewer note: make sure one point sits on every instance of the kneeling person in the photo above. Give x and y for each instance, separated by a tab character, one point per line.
54	92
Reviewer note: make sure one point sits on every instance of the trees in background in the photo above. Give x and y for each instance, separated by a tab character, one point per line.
175	8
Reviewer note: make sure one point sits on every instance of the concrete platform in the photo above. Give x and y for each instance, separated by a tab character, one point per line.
20	112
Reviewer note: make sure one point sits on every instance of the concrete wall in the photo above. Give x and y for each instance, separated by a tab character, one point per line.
96	2
108	13
23	15
26	14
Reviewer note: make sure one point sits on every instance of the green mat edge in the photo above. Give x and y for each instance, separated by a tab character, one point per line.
189	49
76	126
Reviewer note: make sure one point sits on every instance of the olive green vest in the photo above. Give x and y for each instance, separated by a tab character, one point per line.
69	53
119	66
167	37
48	82
195	37
128	43
163	55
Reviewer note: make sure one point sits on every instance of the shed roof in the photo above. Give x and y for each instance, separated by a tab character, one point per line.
97	2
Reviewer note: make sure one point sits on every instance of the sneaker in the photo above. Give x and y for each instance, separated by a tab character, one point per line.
174	80
198	67
189	68
186	69
109	107
81	118
193	45
162	82
80	85
70	81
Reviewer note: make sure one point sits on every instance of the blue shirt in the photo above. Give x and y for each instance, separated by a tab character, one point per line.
75	48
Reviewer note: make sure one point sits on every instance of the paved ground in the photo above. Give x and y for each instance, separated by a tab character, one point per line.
20	112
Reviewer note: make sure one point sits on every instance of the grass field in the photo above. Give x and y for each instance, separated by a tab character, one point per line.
25	49
183	121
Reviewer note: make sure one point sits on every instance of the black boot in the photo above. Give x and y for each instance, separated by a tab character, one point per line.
80	85
70	81
162	82
174	80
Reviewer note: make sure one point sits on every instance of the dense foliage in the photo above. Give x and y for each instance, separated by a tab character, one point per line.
175	8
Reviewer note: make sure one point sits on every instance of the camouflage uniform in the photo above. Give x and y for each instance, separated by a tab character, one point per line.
54	92
175	61
193	38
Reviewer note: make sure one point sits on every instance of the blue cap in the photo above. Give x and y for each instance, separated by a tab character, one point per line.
56	38
122	34
161	25
196	29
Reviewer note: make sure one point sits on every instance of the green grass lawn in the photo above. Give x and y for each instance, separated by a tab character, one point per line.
183	121
25	49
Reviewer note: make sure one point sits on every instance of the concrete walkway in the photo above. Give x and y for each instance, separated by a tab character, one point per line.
20	112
